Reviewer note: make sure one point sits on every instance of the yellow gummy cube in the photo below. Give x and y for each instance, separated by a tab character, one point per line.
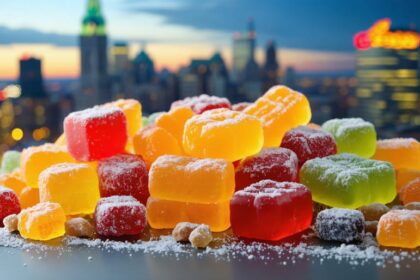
43	221
132	111
74	185
165	214
222	133
13	182
401	152
34	160
174	121
279	110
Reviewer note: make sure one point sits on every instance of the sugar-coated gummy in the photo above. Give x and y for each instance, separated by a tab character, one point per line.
374	211
405	176
10	161
410	192
278	164
13	182
401	152
200	104
353	135
342	225
174	121
28	197
9	203
119	216
270	210
349	181
132	112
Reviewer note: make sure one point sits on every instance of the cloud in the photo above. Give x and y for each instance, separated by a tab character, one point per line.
31	36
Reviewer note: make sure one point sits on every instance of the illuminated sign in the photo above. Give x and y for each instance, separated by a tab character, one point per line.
380	36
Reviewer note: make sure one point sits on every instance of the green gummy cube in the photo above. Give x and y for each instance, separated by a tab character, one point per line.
353	135
349	181
10	161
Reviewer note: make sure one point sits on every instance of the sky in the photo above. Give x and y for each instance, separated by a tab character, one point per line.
312	35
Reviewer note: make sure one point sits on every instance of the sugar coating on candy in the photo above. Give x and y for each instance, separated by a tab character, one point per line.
13	182
240	106
278	164
200	104
401	152
343	180
79	227
124	175
119	216
374	211
11	222
309	143
410	192
9	203
412	206
353	135
10	161
342	225
28	197
182	231
201	236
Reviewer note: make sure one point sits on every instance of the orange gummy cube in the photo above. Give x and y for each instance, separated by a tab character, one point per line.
279	110
28	197
410	192
189	179
34	160
399	228
152	142
174	121
132	111
401	152
13	182
406	175
222	133
74	185
43	221
165	214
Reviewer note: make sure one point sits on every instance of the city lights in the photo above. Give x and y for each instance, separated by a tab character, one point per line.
17	134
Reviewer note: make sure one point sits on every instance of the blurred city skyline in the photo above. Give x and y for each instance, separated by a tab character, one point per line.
316	38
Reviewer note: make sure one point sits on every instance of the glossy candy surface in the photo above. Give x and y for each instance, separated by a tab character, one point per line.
9	203
410	192
174	121
12	182
406	175
401	152
28	197
132	112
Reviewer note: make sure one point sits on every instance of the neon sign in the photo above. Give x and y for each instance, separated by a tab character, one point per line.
380	36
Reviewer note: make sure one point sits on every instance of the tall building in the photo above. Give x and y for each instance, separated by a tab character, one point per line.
271	66
218	79
30	78
388	92
120	69
243	52
95	87
143	68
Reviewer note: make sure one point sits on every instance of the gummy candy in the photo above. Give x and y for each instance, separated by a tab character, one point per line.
152	142
374	211
405	175
73	185
371	226
221	133
119	216
35	159
399	228
349	181
10	161
188	179
9	203
96	133
240	106
10	222
61	141
152	118
401	152
278	164
309	143
270	210
12	182
174	121
200	104
124	175
79	227
43	221
166	214
132	111
410	192
342	225
353	135
28	197
279	110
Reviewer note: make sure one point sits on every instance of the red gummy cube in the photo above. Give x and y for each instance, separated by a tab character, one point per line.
202	103
9	203
309	143
124	175
95	133
119	216
270	210
278	164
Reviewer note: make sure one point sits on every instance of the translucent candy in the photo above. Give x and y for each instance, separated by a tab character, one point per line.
12	182
174	121
152	118
309	143
124	175
353	135
405	175
28	197
9	203
119	216
241	106
410	192
399	228
35	159
342	225
166	214
73	185
278	164
222	133
96	133
10	161
132	111
349	181
374	211
279	110
200	104
43	221
270	210
188	179
401	152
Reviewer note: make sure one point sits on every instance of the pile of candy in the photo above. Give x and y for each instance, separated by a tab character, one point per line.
206	166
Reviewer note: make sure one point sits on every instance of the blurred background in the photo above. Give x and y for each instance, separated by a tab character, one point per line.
355	58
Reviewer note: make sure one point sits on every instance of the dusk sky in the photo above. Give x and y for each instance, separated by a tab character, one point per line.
312	35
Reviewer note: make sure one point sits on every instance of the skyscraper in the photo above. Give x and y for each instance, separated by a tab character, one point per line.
143	68
30	78
271	66
121	69
388	92
94	63
243	52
